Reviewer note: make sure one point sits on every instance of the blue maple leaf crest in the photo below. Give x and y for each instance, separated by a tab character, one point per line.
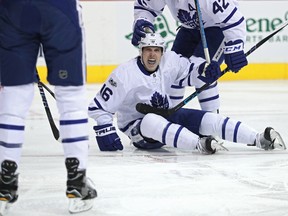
187	19
157	100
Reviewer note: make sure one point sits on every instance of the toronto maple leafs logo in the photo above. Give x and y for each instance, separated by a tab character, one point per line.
157	100
186	18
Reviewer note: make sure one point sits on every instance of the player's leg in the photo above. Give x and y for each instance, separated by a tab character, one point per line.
71	103
188	43
17	65
236	131
138	140
209	124
185	44
209	98
215	43
227	128
175	135
15	102
65	56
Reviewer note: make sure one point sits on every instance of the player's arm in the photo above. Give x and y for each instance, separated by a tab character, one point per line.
190	71
233	25
102	108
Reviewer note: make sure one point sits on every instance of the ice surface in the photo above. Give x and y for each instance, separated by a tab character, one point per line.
169	182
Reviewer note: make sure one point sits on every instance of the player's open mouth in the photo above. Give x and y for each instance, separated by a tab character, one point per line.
151	61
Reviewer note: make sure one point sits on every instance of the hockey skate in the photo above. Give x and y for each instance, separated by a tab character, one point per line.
209	145
8	185
80	190
269	140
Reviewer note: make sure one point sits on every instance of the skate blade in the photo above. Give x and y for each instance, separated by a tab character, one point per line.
77	205
4	207
278	142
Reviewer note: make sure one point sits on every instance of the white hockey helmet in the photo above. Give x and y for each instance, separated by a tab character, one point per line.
152	39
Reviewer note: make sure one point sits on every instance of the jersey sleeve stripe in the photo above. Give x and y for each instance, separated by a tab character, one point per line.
141	8
233	25
177	87
210	86
230	15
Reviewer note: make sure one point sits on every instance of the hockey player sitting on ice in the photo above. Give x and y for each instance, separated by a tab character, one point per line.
145	79
225	33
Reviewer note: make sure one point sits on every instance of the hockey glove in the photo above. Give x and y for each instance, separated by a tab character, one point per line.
139	30
235	58
107	138
211	73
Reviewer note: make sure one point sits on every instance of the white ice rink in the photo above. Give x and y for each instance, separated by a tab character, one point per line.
169	182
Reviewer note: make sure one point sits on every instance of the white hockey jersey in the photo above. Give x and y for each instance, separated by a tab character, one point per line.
130	84
222	13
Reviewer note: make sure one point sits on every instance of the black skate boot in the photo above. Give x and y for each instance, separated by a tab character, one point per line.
80	190
8	185
270	140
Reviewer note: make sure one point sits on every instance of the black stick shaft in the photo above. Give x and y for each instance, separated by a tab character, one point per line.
54	128
49	90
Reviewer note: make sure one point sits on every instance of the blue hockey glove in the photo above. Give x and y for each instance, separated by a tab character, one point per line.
211	73
139	30
107	138
234	55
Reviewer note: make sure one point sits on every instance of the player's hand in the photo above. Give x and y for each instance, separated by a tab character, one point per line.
139	30
107	138
234	55
211	73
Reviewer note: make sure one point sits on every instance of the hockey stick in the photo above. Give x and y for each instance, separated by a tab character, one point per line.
54	129
49	90
145	108
202	32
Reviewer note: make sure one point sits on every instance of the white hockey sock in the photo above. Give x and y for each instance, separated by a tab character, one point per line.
72	106
174	135
227	129
14	106
209	98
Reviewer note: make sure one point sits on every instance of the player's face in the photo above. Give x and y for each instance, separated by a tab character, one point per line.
151	57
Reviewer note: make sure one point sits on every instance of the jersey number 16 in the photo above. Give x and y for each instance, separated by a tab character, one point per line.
106	92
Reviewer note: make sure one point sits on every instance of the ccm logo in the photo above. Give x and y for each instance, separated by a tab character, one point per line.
233	48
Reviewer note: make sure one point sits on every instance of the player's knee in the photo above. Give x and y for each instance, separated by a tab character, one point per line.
72	106
16	100
211	124
152	126
71	99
